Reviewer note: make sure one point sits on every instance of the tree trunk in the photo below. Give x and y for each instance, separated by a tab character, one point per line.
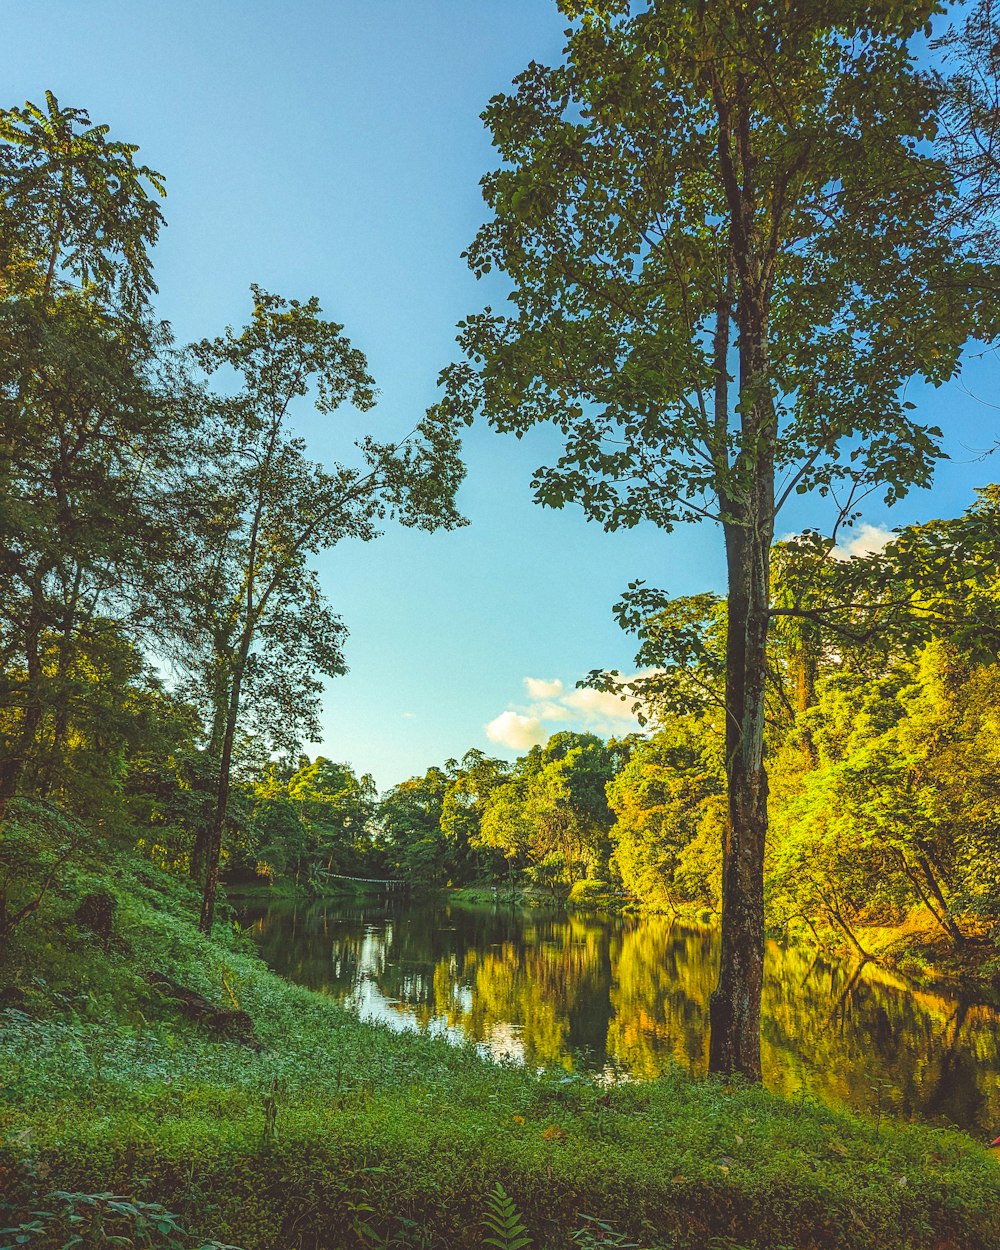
947	919
220	719
213	849
13	767
735	1005
805	667
48	772
943	917
734	1010
837	916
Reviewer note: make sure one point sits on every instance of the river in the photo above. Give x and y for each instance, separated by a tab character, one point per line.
630	996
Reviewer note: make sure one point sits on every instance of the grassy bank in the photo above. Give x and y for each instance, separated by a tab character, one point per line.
335	1133
921	952
917	950
260	891
490	896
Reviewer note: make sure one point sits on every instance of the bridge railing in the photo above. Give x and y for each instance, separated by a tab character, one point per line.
340	876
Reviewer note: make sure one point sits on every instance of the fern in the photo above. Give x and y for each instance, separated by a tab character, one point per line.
503	1223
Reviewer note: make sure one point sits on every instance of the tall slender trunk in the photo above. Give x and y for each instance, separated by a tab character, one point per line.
220	718
735	1005
50	766
213	848
805	669
734	1010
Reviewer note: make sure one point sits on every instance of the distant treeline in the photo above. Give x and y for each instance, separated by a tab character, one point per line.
883	757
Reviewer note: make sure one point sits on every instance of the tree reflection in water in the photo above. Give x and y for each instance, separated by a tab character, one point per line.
631	996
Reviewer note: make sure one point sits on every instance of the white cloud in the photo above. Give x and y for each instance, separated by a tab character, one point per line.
409	716
865	540
518	732
551	711
599	705
539	688
552	707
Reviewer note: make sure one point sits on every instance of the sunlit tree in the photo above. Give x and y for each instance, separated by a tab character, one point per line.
730	248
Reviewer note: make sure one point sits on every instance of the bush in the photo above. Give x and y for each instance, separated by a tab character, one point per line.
592	894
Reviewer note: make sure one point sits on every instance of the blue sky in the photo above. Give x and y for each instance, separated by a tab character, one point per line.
334	147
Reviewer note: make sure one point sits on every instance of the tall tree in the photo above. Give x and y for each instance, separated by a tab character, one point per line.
336	807
663	797
567	807
472	782
253	609
730	249
410	832
78	211
969	139
85	425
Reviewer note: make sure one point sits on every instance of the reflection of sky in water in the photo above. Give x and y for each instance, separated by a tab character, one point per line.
367	1000
629	998
369	1003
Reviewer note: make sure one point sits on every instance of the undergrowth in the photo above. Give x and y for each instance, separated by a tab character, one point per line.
339	1133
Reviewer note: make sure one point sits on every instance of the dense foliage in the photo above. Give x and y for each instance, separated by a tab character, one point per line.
708	346
163	632
882	751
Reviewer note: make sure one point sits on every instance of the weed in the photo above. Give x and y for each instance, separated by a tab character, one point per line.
879	1090
594	1234
504	1228
270	1112
79	1221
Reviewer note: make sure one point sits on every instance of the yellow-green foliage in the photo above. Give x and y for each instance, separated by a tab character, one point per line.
669	808
592	894
900	805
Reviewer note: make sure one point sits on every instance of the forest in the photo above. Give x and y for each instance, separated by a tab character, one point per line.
735	238
882	759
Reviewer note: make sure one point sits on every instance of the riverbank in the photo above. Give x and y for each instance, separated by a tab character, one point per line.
260	890
338	1133
503	895
916	948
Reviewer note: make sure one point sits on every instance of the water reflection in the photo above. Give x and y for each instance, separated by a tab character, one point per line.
632	996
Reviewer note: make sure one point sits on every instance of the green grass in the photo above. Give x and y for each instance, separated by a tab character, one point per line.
526	896
484	895
263	891
398	1139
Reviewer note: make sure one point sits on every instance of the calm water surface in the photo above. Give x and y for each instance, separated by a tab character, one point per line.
631	996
